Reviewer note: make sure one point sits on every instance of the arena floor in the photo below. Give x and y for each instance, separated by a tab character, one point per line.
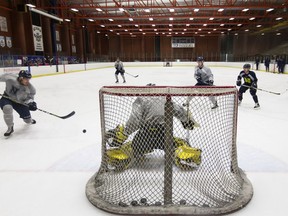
44	168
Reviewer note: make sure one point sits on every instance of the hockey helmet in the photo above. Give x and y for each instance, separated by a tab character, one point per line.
25	74
200	58
247	66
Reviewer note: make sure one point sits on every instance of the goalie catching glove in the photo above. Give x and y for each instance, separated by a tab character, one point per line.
116	137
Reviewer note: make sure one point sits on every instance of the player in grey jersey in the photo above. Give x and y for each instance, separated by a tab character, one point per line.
148	119
18	95
204	77
119	69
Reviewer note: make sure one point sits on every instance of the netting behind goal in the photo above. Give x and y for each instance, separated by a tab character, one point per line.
165	151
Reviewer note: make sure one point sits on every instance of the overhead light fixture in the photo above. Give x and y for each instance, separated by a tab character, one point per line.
236	34
171	10
153	25
111	30
155	29
111	20
91	20
170	25
211	18
170	29
98	32
239	24
229	29
246	30
150	18
45	14
102	26
245	9
205	24
140	30
99	9
136	25
147	10
214	29
279	18
119	26
171	18
252	18
67	20
263	34
121	9
74	9
220	9
187	24
30	5
222	24
232	18
131	19
196	9
209	32
199	29
278	33
143	33
126	30
258	26
270	9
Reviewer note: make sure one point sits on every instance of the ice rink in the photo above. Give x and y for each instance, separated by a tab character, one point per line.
44	168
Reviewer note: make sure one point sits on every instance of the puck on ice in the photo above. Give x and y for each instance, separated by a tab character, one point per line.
84	131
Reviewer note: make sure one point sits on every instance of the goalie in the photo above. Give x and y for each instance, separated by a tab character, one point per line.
147	118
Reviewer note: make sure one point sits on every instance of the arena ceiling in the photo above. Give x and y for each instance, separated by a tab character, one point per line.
175	17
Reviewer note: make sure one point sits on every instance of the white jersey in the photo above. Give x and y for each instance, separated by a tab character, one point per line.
119	65
150	111
203	75
15	90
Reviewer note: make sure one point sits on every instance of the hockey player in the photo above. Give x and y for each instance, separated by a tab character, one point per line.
18	95
204	77
250	82
147	118
119	69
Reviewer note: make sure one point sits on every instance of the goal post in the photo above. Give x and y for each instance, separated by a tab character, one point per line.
150	166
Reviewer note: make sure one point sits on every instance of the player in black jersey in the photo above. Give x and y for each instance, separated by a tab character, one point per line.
250	82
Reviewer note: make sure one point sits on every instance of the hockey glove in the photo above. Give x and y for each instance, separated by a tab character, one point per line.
254	85
238	82
116	137
210	82
189	125
32	106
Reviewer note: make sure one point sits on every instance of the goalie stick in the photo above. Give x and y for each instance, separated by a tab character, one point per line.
135	76
62	117
276	93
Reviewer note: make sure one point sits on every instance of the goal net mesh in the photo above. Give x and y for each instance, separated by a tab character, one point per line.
164	150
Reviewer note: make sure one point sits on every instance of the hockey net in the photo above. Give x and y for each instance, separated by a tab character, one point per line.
164	167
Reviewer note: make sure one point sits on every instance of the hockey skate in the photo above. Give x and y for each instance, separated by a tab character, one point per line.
257	106
239	102
215	105
9	131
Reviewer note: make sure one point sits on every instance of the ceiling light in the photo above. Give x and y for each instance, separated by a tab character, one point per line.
102	26
196	9
222	24
98	32
74	9
258	26
171	10
67	20
263	34
91	20
245	9
252	18
151	19
136	25
155	29
184	29
119	26
229	29
246	30
140	30
220	9
111	20
205	24
143	33
171	18
236	34
153	25
239	24
209	32
191	18
278	33
126	30
211	18
199	29
232	18
270	9
214	29
121	9
279	18
99	9
170	29
147	10
111	30
118	33
30	5
187	24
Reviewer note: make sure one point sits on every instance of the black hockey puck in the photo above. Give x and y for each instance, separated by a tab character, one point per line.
143	201
158	203
182	202
122	204
134	203
84	131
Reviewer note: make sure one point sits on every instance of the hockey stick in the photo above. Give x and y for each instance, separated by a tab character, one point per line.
135	76
276	93
62	117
